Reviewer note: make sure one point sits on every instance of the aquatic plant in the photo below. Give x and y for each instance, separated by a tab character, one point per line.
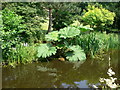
21	54
96	42
60	43
73	45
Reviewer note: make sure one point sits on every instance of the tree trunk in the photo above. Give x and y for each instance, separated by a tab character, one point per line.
50	21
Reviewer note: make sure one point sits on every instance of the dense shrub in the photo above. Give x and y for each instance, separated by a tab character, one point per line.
13	34
98	17
13	31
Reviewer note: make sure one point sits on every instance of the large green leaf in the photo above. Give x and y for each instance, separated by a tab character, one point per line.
83	28
75	53
69	32
52	36
46	50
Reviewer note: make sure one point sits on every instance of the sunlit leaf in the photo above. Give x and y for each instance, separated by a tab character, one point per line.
52	36
69	32
46	50
76	53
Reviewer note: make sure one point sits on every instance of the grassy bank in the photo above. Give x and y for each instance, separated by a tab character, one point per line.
93	44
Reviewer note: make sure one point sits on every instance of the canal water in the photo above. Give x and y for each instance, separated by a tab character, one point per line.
58	74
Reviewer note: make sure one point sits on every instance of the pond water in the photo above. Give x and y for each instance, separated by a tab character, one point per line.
58	74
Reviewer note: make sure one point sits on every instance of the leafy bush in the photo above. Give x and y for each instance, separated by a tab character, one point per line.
13	31
98	17
60	44
37	36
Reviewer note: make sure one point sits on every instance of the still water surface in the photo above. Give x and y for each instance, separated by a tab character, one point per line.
57	74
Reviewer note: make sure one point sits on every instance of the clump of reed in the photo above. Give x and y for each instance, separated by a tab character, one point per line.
96	42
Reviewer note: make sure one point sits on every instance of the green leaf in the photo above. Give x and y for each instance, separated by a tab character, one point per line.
52	36
69	32
46	50
84	28
76	53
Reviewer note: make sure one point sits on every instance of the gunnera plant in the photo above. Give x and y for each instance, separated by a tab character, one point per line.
59	43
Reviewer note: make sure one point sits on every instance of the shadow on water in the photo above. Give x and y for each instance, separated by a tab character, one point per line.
57	74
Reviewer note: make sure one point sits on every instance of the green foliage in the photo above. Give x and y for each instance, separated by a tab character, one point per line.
60	44
113	41
22	24
76	53
98	17
73	45
69	32
52	36
113	7
63	14
83	28
21	54
95	42
37	36
13	31
12	22
33	14
46	50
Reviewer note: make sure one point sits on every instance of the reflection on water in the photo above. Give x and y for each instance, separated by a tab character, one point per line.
110	82
56	74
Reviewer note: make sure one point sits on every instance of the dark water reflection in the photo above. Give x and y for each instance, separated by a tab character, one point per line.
56	74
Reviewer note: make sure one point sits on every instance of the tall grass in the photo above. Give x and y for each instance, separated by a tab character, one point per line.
21	54
96	42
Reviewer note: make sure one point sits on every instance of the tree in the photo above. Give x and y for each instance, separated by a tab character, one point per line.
13	32
98	17
64	14
48	6
60	14
33	15
31	12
